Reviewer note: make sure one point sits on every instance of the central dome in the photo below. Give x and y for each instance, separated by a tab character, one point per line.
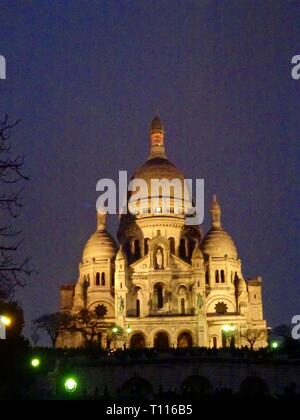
170	195
158	168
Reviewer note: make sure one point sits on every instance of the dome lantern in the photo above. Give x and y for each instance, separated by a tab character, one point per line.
157	139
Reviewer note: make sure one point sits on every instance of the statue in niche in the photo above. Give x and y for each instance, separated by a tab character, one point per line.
159	257
120	304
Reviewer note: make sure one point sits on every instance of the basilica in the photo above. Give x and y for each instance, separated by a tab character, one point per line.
164	283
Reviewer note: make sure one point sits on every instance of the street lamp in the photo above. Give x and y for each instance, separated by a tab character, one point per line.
228	328
228	335
35	363
71	385
5	321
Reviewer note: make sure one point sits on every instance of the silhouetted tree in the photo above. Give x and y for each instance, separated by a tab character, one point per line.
253	335
89	324
13	272
34	336
53	325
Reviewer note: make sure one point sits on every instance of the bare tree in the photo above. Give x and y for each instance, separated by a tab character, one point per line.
12	271
34	336
253	335
89	324
53	325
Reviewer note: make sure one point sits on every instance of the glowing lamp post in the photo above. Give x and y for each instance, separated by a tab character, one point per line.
71	385
4	323
228	328
35	363
228	333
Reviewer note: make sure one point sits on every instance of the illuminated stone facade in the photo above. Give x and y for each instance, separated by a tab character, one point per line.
165	284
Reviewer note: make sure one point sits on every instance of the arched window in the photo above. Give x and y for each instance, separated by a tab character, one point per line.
191	246
182	305
146	246
217	276
160	297
103	279
182	249
137	250
172	245
138	307
222	276
206	277
97	279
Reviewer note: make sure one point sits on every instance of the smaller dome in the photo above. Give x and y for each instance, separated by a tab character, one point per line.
217	242
101	244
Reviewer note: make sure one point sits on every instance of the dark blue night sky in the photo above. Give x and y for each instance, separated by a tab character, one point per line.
86	77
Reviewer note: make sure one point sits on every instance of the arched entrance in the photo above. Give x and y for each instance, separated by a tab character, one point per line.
184	340
137	341
161	341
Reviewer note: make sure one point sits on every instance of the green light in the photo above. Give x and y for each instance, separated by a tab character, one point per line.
128	330
275	345
115	330
70	385
35	362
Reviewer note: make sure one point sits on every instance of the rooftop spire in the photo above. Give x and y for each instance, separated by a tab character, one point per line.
215	212
157	138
